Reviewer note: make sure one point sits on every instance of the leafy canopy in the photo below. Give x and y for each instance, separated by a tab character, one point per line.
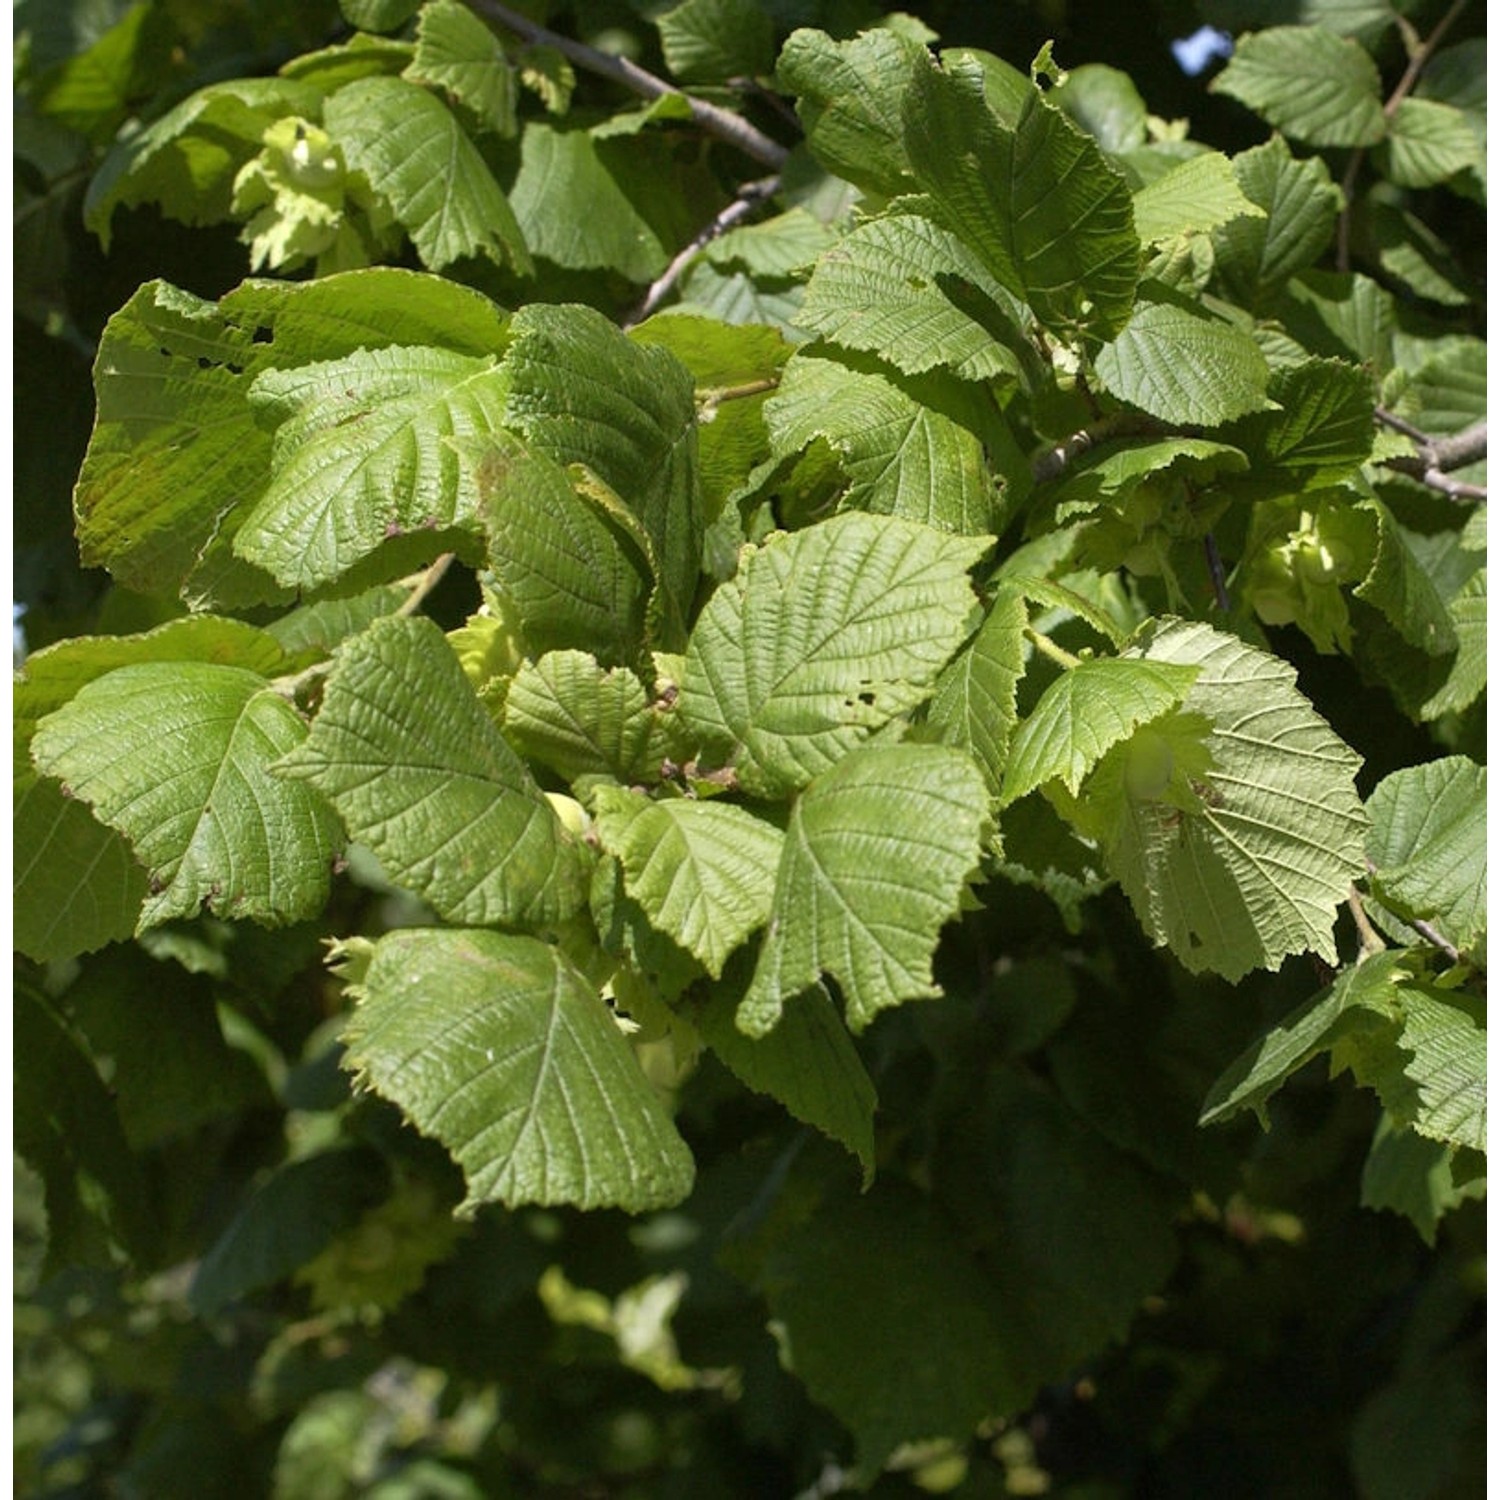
744	670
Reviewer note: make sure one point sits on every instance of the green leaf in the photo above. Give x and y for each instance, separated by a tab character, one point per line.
878	851
568	577
457	52
889	1322
1342	316
176	756
1300	201
1427	843
1428	142
1321	433
1074	1232
320	627
1260	869
68	1129
912	445
1444	1033
1448	390
1184	366
570	714
158	1033
1399	587
1468	676
808	1064
1198	195
1361	999
419	772
53	676
77	885
91	92
1457	75
653	960
1411	253
282	1225
1049	217
910	291
703	872
782	245
176	461
1110	473
1414	1176
1082	713
499	1048
1309	83
362	56
711	41
629	227
1421	1049
849	100
364	452
416	156
583	393
378	15
174	444
739	299
1106	103
822	638
186	161
973	706
733	370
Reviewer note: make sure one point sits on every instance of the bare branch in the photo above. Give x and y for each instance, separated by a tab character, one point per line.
1461	448
1435	456
750	196
722	123
1435	479
1050	465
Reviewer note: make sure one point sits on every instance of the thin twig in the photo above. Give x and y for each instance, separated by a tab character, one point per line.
1425	929
1370	941
749	197
710	396
1436	938
1401	425
1216	571
293	686
1054	461
1418	59
1048	647
722	123
1436	456
424	586
1435	479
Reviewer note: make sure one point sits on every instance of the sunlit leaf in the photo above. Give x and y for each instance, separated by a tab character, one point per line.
703	872
499	1048
876	857
176	756
419	773
821	638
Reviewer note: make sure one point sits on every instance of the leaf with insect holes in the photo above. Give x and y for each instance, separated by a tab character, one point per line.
823	637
